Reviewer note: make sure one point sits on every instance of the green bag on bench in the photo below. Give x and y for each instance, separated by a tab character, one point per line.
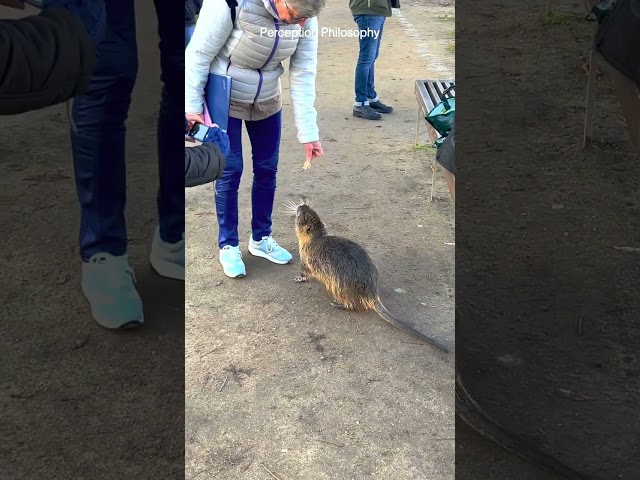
441	117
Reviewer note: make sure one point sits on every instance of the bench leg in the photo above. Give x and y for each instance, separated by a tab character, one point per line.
451	183
434	167
417	125
591	93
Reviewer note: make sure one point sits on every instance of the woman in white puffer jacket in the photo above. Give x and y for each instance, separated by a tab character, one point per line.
251	51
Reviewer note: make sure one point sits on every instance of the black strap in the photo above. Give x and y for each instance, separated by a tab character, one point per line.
232	6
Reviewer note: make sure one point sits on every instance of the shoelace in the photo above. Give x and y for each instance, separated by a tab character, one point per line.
229	247
271	244
118	276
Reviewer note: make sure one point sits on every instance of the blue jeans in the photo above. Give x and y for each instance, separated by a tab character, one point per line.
369	49
265	147
99	153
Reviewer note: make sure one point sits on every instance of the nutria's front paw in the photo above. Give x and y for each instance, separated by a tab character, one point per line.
300	279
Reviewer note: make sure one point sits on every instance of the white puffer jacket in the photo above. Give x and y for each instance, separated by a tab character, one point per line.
252	52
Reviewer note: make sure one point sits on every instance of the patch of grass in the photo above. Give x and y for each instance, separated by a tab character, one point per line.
446	18
421	146
451	34
560	19
451	48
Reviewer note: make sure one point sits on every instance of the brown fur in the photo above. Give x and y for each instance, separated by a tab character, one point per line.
343	267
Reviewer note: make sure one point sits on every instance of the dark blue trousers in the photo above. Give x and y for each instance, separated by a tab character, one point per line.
265	148
100	113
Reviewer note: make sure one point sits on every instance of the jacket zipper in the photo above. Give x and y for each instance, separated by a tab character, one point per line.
273	52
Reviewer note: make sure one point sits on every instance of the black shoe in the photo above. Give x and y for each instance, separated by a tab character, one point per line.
381	107
366	112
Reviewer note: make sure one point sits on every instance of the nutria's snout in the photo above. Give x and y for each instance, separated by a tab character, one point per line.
306	216
308	223
302	211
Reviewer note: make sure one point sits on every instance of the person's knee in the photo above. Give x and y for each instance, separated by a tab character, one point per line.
366	61
368	52
265	173
231	175
115	77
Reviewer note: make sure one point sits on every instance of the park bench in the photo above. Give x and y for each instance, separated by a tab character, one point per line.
428	95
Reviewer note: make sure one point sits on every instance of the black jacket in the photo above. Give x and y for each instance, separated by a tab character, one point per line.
202	164
47	59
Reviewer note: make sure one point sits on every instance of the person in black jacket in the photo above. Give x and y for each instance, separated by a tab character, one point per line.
204	163
47	60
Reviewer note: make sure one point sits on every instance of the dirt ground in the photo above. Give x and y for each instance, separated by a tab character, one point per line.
275	378
551	294
78	401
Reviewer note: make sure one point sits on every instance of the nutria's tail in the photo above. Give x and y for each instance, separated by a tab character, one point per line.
386	315
472	414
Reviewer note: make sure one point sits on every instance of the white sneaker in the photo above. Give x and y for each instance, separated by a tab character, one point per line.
167	259
268	248
231	261
108	283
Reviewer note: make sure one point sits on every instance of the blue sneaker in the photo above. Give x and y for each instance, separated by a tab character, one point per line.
231	260
268	248
167	259
108	284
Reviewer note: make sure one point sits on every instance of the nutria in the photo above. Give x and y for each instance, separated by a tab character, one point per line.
343	267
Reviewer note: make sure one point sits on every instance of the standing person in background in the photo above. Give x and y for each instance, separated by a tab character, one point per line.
370	16
249	43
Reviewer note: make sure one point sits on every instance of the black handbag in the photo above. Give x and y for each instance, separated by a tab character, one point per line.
395	3
617	35
446	154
